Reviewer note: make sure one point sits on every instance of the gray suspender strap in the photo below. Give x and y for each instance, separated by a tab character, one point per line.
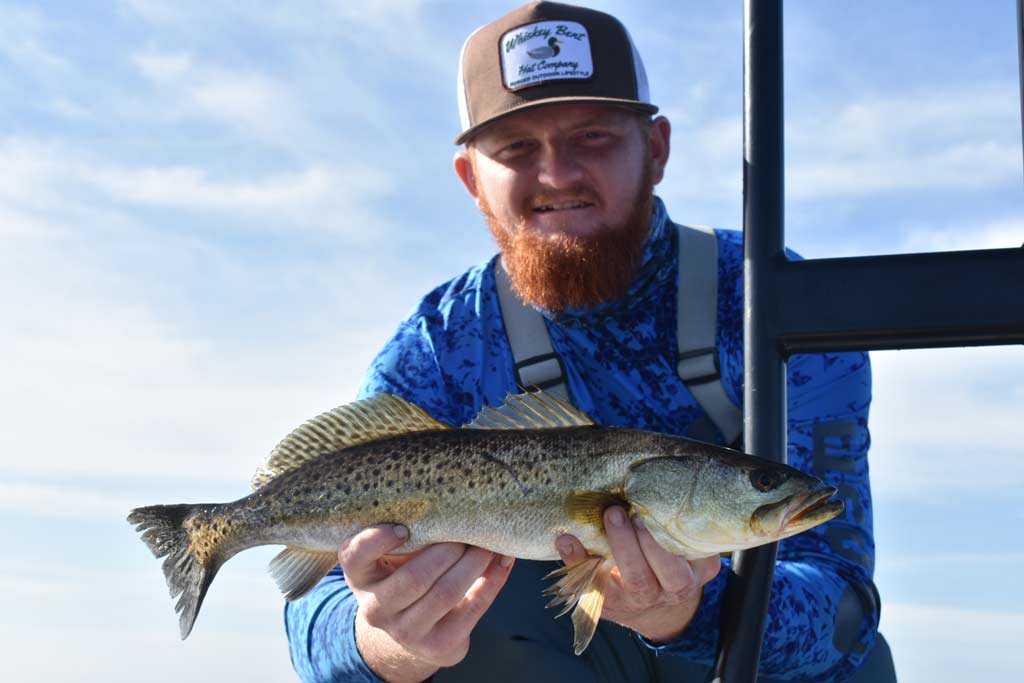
696	321
536	363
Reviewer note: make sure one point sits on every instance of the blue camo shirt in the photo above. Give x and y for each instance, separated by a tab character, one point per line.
451	357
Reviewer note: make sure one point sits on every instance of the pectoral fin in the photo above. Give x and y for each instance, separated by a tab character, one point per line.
581	586
587	507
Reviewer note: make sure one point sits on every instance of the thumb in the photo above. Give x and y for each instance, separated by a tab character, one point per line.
570	549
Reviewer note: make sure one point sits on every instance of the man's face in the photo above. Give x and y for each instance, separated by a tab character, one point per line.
567	191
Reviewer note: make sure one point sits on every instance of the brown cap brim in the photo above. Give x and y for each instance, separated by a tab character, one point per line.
641	107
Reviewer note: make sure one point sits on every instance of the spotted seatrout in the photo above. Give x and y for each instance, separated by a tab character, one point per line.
512	481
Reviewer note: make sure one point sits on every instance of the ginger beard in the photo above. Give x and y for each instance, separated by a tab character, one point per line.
556	272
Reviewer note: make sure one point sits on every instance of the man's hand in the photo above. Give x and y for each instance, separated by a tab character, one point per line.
650	590
416	611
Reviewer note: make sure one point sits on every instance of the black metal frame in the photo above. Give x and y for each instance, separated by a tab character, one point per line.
866	303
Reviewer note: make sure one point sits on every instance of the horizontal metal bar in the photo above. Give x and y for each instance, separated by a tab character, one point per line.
961	298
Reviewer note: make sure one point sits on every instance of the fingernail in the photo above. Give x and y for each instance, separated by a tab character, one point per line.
565	547
401	531
616	518
506	561
639	523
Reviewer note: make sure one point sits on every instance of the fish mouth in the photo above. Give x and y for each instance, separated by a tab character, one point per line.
799	512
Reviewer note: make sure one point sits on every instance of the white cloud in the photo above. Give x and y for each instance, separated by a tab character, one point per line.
946	422
960	137
975	563
26	41
940	645
164	67
61	501
111	388
999	234
400	29
49	181
189	187
962	166
706	160
135	351
115	624
245	99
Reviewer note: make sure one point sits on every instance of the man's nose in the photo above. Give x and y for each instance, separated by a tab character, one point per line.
558	166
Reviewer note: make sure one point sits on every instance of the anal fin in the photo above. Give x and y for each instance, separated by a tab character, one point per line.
581	589
296	570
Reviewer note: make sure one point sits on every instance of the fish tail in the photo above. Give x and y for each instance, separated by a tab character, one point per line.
192	541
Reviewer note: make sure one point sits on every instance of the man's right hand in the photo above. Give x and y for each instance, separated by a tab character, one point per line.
416	611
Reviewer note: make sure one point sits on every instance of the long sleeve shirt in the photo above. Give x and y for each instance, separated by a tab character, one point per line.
451	356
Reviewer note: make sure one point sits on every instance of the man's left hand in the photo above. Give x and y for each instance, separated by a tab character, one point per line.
650	590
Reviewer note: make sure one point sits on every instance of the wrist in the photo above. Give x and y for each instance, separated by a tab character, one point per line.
386	658
665	624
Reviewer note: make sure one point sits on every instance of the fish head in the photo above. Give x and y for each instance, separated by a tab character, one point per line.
708	502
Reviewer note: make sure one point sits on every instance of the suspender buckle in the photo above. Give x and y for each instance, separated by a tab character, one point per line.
544	371
699	366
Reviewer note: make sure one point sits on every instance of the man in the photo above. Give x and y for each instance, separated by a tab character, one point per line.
561	156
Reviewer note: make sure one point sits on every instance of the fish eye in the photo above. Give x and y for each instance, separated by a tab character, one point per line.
766	479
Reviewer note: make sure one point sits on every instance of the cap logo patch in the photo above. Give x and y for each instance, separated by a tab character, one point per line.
545	51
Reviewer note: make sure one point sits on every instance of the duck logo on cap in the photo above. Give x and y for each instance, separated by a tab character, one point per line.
545	51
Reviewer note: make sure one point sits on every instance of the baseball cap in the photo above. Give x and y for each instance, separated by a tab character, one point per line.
547	53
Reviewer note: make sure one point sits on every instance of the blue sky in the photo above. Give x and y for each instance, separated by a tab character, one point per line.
213	214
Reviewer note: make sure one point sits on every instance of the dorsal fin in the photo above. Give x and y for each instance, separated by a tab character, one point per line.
530	410
376	417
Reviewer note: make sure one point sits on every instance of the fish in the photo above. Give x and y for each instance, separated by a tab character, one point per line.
512	481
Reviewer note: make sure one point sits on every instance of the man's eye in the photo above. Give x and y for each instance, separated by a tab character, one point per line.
594	136
515	148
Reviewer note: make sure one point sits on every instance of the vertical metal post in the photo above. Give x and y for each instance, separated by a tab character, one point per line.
745	605
1020	62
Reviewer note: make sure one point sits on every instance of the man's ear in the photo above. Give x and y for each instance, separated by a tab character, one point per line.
464	169
660	135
